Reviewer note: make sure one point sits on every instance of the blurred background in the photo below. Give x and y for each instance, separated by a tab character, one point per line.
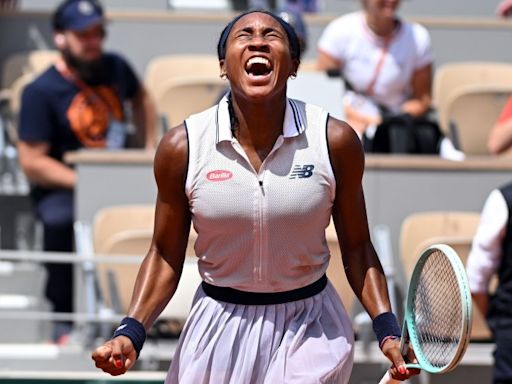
447	194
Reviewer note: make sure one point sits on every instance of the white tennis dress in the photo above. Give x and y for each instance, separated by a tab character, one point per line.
262	232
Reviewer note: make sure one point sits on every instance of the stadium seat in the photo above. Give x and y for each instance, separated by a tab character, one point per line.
336	271
181	97
449	77
454	228
13	104
183	84
112	220
127	230
17	91
169	67
472	111
20	65
18	70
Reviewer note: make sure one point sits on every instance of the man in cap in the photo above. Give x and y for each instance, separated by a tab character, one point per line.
87	99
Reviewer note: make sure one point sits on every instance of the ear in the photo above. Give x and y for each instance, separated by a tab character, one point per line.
223	73
59	40
295	67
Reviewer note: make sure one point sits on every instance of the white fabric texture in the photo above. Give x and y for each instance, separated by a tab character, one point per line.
308	341
486	251
260	231
349	40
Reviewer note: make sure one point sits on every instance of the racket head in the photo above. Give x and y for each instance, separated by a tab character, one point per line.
439	309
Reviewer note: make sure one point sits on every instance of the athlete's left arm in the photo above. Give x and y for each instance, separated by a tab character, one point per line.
145	117
362	266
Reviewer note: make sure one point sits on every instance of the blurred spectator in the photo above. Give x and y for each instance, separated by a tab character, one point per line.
490	254
244	5
84	100
261	4
504	8
294	18
300	6
500	137
8	4
386	63
297	6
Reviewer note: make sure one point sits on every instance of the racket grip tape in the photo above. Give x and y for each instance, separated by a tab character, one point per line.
134	330
386	326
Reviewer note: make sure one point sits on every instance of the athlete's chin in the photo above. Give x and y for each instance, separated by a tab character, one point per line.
261	92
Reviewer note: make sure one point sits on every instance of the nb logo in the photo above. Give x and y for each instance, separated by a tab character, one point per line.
302	171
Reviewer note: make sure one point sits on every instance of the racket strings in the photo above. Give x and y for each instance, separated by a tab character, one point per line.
438	311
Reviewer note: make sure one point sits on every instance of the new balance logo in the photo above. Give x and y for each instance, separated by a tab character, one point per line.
302	171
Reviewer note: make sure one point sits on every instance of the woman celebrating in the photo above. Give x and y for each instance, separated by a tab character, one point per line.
259	175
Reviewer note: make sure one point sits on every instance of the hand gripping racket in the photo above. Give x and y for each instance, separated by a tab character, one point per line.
437	320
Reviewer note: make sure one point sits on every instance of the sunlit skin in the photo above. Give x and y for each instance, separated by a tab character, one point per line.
259	100
258	35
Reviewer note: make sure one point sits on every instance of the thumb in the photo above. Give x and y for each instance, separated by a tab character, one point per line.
117	354
399	363
130	355
397	359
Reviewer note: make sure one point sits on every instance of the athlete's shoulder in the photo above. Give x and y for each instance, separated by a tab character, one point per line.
341	134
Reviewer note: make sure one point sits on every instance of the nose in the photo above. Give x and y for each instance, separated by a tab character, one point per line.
259	43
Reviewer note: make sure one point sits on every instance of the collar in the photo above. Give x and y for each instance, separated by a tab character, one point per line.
294	120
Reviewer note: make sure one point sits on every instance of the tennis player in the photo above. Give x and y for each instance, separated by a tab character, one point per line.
259	175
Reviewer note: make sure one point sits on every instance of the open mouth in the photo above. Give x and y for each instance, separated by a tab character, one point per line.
258	66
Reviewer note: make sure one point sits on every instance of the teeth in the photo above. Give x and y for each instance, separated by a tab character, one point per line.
258	60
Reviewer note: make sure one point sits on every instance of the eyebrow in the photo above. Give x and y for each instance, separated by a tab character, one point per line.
266	30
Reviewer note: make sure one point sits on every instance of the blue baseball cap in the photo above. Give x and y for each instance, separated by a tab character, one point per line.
77	15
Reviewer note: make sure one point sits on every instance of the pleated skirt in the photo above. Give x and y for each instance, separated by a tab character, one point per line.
307	341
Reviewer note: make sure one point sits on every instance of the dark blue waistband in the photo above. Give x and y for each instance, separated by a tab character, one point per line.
235	296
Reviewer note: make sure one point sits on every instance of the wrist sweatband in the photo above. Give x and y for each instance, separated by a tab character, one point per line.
134	330
385	326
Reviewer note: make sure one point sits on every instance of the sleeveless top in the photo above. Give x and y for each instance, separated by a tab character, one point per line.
260	231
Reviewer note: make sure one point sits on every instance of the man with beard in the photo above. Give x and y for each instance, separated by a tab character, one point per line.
84	100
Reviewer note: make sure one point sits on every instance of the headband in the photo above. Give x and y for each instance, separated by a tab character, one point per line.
290	33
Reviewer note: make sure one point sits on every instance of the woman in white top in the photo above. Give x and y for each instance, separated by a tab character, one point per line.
386	61
259	175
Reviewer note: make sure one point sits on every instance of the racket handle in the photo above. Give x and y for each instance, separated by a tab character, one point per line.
387	379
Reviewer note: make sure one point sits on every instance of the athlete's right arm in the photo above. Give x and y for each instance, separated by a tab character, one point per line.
42	169
161	269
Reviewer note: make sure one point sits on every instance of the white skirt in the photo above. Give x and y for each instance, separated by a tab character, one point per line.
306	341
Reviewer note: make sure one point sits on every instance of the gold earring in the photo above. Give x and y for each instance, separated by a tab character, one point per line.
223	76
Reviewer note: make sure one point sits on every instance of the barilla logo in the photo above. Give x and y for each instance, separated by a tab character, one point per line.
219	175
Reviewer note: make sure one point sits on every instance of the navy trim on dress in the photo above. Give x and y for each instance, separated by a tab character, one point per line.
235	296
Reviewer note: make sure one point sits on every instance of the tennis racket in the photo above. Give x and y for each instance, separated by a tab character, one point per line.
437	321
